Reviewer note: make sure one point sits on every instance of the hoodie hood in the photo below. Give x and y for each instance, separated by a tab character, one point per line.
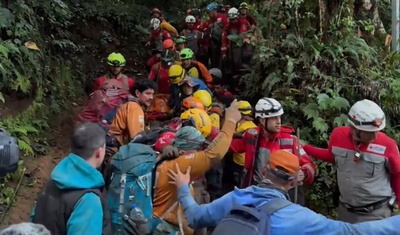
73	172
255	196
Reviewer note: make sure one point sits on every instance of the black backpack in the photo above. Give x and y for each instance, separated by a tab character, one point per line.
246	220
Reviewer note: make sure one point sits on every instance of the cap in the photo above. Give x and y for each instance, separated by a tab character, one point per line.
188	80
164	140
284	164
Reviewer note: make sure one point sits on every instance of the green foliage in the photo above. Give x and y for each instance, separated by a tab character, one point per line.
320	75
66	35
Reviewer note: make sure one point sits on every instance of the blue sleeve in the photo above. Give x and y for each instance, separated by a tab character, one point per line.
292	219
206	215
87	217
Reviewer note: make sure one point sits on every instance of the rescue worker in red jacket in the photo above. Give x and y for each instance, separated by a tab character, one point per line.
270	136
231	52
368	164
201	26
156	41
216	26
192	35
244	13
156	13
116	62
159	71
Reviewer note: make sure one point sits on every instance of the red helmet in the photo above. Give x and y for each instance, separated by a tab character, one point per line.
164	140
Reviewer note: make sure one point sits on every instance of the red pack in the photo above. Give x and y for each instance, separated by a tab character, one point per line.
103	103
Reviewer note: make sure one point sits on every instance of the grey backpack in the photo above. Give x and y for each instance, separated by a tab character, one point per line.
9	153
249	220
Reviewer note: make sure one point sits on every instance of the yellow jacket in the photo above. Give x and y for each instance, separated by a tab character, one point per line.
238	158
171	29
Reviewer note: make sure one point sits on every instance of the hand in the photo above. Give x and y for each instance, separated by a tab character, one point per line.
170	151
179	178
223	56
300	176
232	113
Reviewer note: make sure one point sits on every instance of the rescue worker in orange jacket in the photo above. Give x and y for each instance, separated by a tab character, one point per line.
130	119
116	61
368	164
191	143
270	136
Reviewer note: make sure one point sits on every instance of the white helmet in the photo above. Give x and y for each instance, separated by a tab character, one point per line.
190	19
155	23
233	13
366	115
267	108
215	72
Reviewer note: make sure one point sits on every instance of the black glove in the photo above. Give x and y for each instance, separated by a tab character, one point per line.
170	151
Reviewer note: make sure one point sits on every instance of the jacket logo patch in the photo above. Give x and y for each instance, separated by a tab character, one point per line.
141	119
376	148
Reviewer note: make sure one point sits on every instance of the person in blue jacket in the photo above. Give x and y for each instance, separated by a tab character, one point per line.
71	201
279	177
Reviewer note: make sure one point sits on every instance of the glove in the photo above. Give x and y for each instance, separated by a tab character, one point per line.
170	151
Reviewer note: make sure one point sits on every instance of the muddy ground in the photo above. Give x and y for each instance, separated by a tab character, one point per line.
38	168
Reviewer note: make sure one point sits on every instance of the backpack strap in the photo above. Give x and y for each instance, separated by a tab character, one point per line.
158	68
275	205
125	82
72	197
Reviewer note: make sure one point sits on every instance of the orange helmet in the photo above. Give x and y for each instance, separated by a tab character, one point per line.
192	103
168	44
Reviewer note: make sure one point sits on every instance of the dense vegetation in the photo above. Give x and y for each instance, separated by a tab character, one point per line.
317	62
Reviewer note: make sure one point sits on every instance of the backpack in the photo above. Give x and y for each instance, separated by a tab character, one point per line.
134	167
249	220
9	153
104	102
150	137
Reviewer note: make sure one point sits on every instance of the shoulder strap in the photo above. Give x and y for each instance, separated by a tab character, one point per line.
72	197
275	205
158	68
125	82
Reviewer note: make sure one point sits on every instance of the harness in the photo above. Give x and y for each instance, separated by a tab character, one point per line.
254	141
125	83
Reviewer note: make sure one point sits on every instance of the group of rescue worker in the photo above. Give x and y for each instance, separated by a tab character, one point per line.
243	140
223	143
222	42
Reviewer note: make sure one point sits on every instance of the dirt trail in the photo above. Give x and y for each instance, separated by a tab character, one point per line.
39	168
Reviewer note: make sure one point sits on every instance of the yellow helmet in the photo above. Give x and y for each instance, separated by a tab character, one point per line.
200	120
245	107
176	74
205	98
